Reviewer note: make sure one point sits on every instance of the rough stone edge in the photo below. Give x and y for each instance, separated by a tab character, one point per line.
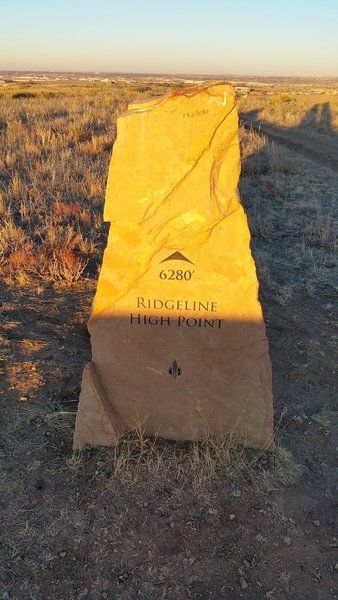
96	424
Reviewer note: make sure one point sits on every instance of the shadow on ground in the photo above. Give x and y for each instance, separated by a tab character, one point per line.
314	137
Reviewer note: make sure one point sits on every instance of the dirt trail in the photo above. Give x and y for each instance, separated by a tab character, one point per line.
321	148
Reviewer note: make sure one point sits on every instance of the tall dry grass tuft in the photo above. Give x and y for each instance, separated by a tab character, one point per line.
322	232
195	466
57	145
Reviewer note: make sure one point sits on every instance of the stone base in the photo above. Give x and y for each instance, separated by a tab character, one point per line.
97	423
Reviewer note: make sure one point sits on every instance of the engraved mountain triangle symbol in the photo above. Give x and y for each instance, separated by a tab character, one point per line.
177	256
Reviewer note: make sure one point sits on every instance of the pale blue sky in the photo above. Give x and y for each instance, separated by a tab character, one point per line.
289	37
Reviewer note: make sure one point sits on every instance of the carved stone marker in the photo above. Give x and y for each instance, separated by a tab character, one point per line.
178	338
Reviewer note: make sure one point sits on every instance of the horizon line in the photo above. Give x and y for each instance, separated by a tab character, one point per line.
171	74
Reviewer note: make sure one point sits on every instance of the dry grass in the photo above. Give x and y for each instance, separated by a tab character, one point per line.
52	180
312	112
322	232
57	145
291	201
196	466
145	519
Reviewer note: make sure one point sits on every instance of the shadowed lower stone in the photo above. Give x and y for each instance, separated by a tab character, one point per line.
178	339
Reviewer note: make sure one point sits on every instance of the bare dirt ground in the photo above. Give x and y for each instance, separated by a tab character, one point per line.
141	523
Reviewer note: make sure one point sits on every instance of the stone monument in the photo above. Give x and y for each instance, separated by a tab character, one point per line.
178	339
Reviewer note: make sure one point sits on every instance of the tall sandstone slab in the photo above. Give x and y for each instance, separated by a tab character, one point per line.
178	339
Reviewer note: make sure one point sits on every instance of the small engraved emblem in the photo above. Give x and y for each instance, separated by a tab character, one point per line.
174	370
177	256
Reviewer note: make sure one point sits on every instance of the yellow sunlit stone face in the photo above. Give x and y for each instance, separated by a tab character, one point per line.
177	333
